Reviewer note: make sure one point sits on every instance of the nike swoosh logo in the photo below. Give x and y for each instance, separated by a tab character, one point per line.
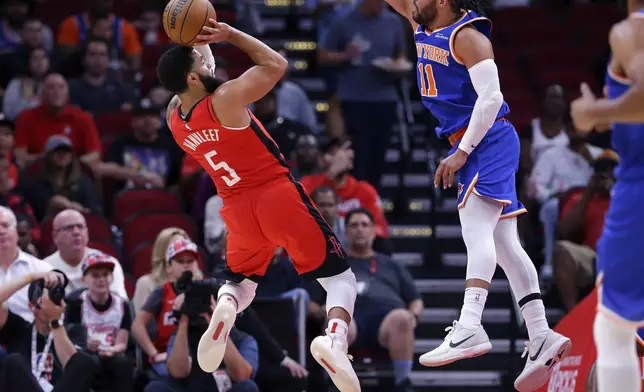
538	351
452	344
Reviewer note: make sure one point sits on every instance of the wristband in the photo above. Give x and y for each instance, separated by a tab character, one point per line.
54	324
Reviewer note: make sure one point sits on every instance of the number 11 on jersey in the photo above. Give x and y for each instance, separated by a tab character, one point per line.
232	178
427	81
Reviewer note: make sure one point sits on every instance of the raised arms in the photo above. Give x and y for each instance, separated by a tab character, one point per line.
404	8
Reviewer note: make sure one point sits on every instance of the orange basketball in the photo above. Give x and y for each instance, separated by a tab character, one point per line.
184	19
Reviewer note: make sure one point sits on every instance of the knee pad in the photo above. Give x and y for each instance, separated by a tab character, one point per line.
243	292
341	291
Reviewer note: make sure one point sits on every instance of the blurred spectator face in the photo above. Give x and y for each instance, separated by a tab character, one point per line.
327	204
32	33
97	58
5	181
61	157
8	233
182	262
266	108
102	28
307	153
100	9
602	182
146	127
15	12
24	234
159	96
70	232
98	280
554	102
6	139
38	63
360	231
55	93
150	20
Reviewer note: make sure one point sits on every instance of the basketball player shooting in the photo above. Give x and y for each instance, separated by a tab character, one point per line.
459	82
620	248
264	207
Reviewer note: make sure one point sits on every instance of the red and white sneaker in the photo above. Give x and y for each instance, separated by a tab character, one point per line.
331	353
212	344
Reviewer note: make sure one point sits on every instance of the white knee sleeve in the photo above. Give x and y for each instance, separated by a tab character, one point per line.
617	361
340	291
478	219
243	292
515	262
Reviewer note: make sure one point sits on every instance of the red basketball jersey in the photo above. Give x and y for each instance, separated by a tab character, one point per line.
235	158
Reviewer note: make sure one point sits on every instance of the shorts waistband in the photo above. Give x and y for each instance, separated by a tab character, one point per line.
458	135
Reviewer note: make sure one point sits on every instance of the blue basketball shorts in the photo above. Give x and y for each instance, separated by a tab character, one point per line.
491	168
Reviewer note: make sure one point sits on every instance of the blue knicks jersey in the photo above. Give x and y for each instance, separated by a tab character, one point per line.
443	80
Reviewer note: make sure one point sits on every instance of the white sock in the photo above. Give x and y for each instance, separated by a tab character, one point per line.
617	361
473	305
338	327
534	314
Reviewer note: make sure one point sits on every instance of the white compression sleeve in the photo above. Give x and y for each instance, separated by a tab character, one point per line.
485	78
205	51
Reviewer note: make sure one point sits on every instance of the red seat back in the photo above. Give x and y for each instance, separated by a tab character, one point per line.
145	227
114	123
134	201
141	259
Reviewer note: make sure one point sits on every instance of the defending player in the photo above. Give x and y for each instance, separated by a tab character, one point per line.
458	81
264	207
620	249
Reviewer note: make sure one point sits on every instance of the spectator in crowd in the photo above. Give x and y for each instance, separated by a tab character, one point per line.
6	148
106	319
283	130
55	116
150	27
367	94
326	201
306	159
61	183
292	101
99	89
144	156
35	34
24	91
159	305
25	231
15	201
160	97
214	227
16	264
75	30
15	15
158	276
557	170
41	355
580	226
239	363
388	305
352	193
71	238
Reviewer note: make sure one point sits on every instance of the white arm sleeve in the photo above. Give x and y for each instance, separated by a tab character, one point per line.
205	51
485	78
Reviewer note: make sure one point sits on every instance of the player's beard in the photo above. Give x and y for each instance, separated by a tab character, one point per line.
426	15
210	83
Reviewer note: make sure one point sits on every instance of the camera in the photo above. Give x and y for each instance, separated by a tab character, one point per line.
198	294
56	292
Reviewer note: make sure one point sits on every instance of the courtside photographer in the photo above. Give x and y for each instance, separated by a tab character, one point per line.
41	357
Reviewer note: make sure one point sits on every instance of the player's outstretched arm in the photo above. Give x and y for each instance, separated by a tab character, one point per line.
404	8
174	102
475	51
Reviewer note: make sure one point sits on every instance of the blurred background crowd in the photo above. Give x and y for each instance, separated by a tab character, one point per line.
97	189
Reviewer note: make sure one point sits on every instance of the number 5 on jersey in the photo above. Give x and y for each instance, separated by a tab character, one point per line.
232	178
427	81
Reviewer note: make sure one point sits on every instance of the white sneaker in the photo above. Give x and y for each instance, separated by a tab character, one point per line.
331	354
212	344
460	343
543	354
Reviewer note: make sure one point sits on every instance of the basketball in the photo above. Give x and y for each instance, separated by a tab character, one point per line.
184	19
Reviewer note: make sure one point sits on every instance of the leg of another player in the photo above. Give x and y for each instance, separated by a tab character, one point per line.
466	337
330	350
546	347
617	362
232	299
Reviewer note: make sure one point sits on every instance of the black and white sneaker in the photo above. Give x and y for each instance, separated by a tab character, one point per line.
460	343
543	353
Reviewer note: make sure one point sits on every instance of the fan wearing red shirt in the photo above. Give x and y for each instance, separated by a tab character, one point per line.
264	207
581	221
352	193
55	116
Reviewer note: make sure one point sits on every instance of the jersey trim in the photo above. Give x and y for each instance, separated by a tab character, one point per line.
211	111
618	78
456	30
186	118
428	32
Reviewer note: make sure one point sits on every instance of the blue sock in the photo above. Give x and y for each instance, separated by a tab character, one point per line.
402	369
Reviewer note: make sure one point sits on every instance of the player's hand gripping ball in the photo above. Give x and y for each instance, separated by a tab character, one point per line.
183	20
